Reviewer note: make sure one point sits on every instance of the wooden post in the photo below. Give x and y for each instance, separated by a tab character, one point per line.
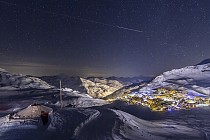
61	101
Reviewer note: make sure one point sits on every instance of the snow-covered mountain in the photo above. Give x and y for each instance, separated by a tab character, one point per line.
96	87
125	90
206	61
192	78
72	82
100	87
126	81
9	81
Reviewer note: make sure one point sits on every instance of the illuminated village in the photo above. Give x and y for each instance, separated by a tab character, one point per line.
164	99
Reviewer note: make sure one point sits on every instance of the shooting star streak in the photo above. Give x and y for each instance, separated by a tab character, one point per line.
129	29
76	18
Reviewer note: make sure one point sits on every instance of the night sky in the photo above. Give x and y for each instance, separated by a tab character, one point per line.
102	37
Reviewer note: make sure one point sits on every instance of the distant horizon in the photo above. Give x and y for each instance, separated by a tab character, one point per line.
21	68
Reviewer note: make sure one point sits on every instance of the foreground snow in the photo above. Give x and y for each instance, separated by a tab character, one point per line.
98	124
135	128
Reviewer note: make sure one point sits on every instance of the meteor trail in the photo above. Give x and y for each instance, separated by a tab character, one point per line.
76	18
129	29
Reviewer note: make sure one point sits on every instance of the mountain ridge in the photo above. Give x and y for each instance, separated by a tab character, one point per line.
195	78
10	81
205	61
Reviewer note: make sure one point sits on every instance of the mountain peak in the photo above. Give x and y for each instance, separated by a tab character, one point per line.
2	70
206	61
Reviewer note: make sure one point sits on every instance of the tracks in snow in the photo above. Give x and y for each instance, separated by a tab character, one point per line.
86	122
102	125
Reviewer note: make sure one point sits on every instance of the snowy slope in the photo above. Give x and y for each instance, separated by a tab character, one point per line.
75	99
9	81
97	124
133	128
195	79
86	118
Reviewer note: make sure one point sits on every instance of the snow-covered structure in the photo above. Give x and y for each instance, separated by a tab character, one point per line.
33	111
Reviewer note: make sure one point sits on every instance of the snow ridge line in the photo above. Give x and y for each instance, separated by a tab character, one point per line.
206	135
79	128
116	128
115	132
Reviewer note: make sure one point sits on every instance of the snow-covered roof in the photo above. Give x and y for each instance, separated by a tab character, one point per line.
33	111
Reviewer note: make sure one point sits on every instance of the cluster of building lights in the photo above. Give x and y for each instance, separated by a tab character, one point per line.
164	99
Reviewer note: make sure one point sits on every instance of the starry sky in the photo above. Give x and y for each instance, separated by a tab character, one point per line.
103	37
